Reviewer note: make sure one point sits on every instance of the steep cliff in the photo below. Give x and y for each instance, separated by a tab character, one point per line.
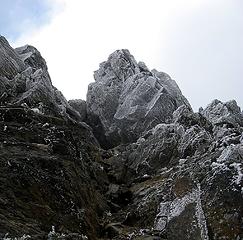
133	162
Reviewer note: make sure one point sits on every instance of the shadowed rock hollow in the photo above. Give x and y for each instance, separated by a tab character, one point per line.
133	162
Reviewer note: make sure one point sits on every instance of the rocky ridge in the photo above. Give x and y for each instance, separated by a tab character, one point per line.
127	99
133	162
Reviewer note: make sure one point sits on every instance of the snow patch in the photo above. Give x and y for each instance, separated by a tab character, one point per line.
36	110
219	166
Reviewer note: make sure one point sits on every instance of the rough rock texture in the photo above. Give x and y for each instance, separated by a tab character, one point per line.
48	177
25	80
80	106
224	113
166	173
186	181
127	99
10	61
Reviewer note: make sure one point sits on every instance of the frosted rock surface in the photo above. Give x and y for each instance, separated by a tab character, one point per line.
127	99
80	106
10	61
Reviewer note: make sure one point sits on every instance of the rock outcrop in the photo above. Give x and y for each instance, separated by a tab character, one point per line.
142	165
10	61
182	174
80	106
127	99
25	80
48	169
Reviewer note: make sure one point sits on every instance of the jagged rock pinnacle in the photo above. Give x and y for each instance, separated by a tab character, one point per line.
127	99
154	169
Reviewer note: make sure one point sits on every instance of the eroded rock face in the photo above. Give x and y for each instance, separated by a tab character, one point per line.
25	80
50	176
220	113
186	181
173	173
49	159
127	99
80	106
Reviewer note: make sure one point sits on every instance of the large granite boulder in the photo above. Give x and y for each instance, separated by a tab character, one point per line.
127	99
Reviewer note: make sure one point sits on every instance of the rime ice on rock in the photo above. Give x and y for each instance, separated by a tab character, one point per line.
127	99
26	81
179	175
170	210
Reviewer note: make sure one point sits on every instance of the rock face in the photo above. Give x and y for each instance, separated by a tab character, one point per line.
186	180
25	80
127	99
166	173
49	159
48	171
80	106
10	61
224	113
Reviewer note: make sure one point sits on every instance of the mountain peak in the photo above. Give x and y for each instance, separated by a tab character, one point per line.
133	162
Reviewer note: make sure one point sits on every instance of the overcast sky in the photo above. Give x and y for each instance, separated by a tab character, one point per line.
199	43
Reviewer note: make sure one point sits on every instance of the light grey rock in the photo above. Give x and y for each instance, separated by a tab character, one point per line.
156	149
127	99
220	113
10	61
29	82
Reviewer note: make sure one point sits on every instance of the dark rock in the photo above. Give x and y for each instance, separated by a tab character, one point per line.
113	229
47	176
173	173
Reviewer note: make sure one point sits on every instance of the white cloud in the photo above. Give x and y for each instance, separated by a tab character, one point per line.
84	33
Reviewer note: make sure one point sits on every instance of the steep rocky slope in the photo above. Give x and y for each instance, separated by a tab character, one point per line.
134	162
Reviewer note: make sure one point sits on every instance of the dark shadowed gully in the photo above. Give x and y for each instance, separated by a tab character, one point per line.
133	162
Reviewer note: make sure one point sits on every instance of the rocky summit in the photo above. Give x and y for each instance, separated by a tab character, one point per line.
134	161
